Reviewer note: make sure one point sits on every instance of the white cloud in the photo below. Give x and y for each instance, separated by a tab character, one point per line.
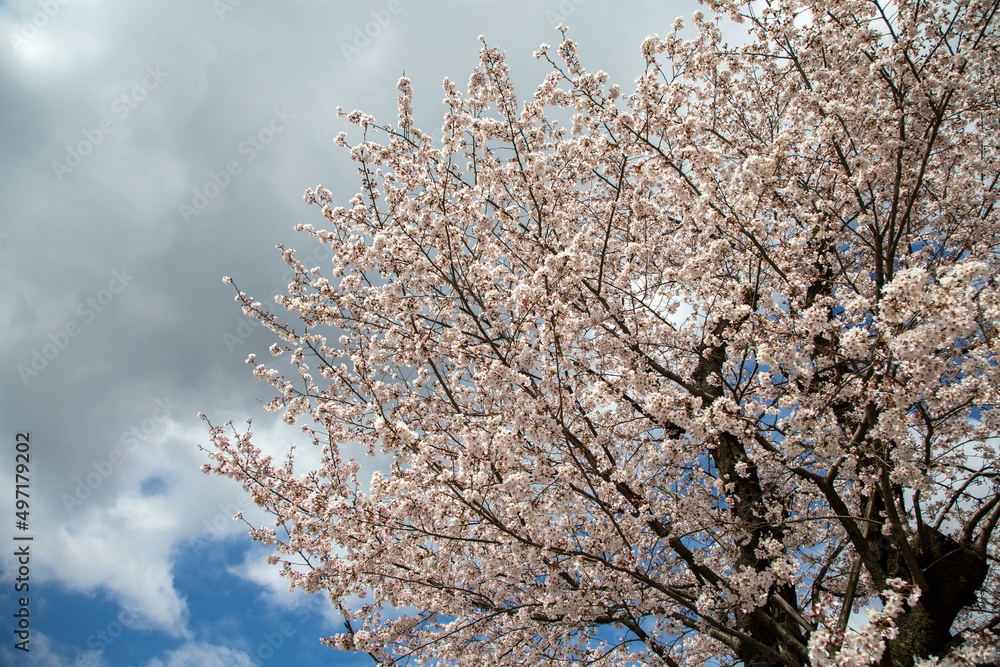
123	543
255	569
46	652
201	654
132	565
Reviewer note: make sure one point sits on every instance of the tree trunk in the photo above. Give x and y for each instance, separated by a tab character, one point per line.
954	573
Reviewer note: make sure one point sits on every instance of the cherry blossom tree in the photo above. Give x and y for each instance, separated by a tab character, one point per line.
684	376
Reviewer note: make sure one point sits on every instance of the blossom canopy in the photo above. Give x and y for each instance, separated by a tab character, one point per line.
679	376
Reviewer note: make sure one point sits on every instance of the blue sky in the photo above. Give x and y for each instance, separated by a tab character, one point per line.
147	150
